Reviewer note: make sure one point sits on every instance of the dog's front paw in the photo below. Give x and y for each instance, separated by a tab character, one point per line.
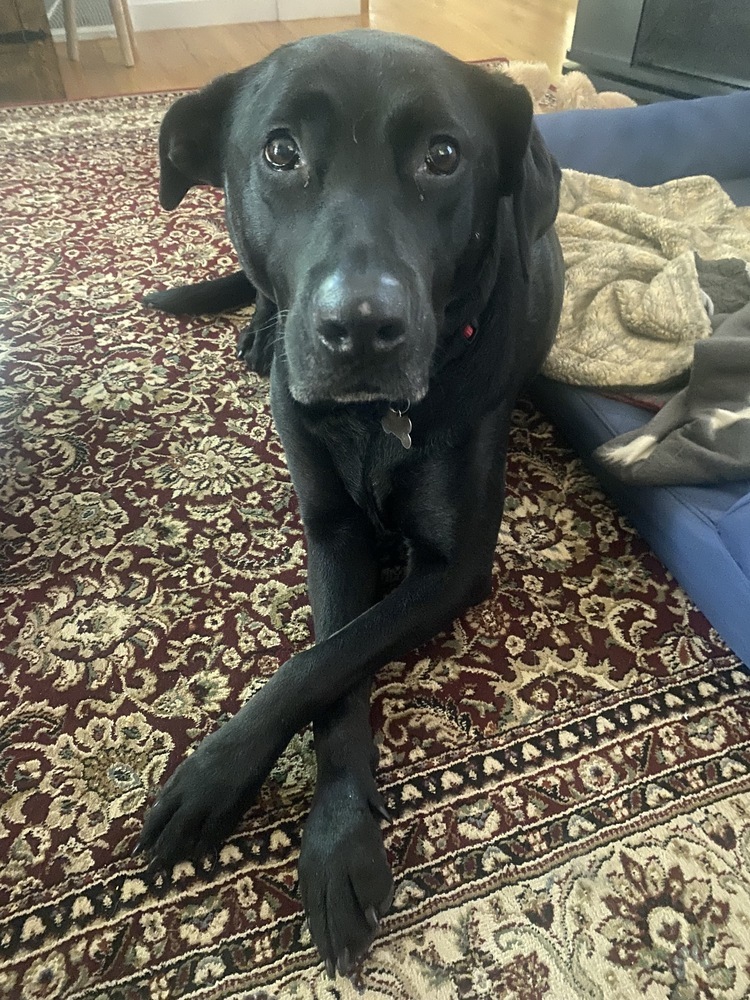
203	801
255	348
345	879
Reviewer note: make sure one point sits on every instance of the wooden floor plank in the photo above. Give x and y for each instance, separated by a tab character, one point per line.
29	68
189	57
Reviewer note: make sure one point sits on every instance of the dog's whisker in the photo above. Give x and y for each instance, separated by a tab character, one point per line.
266	326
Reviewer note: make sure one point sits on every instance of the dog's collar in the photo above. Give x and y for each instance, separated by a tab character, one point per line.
395	420
466	335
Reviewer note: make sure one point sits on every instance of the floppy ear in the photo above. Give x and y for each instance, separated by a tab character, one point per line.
536	196
530	174
192	137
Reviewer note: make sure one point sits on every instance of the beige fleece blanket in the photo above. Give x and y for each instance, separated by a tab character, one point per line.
633	306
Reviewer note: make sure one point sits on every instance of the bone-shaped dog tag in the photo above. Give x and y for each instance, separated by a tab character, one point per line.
399	425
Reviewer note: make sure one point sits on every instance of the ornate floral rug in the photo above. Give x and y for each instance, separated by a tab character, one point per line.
568	767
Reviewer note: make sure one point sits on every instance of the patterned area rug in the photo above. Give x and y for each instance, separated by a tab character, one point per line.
567	767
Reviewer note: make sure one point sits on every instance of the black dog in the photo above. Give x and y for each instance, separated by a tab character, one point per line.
392	208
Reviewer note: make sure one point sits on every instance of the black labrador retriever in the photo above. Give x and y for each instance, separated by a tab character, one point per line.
393	210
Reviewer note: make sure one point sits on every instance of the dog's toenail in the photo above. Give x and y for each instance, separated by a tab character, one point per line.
155	869
387	902
381	810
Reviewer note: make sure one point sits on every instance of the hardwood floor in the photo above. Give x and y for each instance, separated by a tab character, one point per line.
189	57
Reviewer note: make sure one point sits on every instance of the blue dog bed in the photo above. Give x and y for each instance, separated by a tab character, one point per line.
701	533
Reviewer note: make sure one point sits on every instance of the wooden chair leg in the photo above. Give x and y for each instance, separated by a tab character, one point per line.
121	18
129	24
71	29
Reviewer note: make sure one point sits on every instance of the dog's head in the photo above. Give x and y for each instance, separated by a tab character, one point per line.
371	183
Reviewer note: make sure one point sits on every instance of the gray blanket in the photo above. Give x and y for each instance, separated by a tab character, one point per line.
702	433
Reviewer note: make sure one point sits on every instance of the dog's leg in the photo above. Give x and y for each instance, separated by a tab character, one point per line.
345	879
217	295
451	515
255	344
206	796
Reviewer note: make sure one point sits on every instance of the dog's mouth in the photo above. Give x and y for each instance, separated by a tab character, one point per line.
319	380
402	389
363	395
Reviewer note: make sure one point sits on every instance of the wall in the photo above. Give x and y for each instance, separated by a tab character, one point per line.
149	15
95	21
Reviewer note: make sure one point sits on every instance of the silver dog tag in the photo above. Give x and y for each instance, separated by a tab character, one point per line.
399	425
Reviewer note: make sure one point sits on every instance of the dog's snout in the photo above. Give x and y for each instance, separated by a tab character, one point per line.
360	316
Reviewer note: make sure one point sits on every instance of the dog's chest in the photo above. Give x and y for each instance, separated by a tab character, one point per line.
367	460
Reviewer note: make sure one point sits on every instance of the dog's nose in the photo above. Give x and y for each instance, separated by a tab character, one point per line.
361	315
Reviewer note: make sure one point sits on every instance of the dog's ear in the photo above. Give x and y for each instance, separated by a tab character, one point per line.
529	172
536	196
192	137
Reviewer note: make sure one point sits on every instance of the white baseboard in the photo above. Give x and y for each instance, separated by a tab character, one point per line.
88	33
155	15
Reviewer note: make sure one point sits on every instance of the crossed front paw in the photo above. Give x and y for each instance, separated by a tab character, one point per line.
202	802
345	879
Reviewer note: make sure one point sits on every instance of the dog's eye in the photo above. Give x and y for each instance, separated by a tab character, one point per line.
282	152
443	156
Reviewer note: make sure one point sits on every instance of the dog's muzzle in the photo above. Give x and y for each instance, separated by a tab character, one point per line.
363	341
